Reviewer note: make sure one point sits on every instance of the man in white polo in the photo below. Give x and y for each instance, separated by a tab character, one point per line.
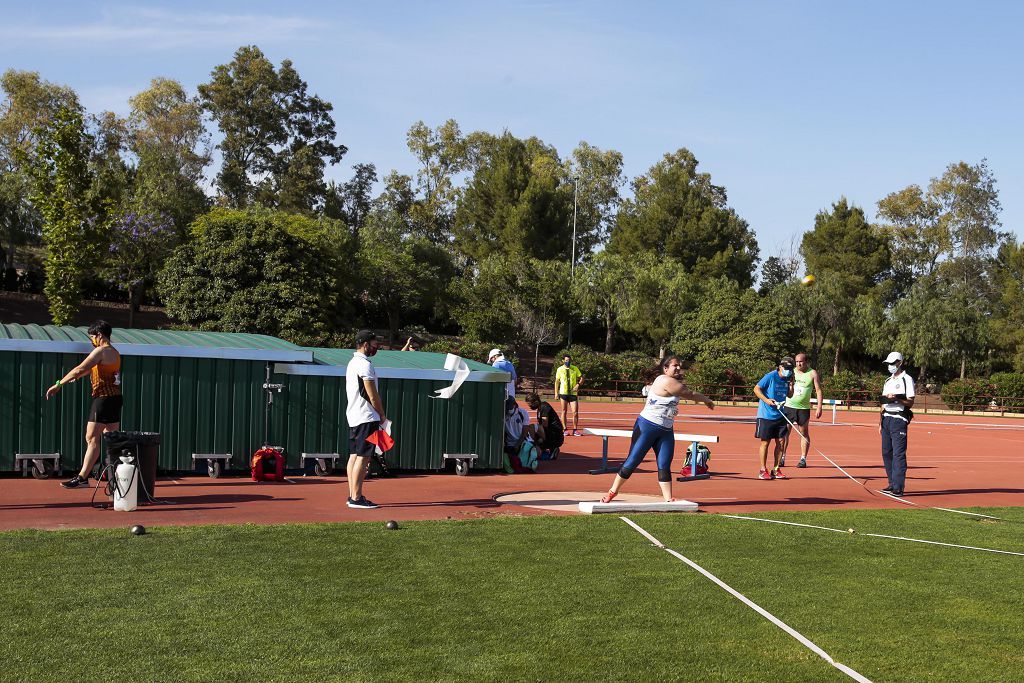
897	400
364	414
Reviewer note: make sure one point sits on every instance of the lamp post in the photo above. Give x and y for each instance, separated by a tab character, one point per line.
572	263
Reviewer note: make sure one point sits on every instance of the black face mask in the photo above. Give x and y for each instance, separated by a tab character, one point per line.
371	350
566	363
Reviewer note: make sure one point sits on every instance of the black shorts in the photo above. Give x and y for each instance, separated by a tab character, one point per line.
571	398
798	416
767	430
357	442
106	410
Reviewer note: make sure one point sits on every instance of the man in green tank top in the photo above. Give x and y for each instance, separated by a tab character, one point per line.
798	408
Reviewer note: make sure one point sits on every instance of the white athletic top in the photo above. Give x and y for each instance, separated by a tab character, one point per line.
661	410
901	384
359	409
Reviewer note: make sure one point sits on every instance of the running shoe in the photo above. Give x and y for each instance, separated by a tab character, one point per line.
896	492
764	474
609	497
363	503
577	432
887	489
777	474
567	433
76	482
802	464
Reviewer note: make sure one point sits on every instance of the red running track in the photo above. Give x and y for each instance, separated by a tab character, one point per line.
954	462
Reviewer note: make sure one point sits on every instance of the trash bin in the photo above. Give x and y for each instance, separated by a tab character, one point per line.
144	447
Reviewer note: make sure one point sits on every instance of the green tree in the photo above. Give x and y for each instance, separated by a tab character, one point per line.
1008	324
172	147
599	290
139	245
598	175
260	271
849	257
278	138
516	203
678	212
775	272
656	296
351	201
62	180
442	154
28	107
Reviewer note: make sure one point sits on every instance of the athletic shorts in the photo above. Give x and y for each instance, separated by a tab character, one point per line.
767	430
571	398
106	410
798	416
357	442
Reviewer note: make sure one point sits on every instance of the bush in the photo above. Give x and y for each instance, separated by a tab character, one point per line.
1008	388
856	390
967	394
717	379
602	370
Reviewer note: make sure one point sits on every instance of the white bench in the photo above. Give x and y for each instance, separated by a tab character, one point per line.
324	465
694	439
216	463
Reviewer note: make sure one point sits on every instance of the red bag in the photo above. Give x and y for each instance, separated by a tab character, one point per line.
268	465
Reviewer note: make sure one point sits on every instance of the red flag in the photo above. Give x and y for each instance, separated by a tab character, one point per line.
381	440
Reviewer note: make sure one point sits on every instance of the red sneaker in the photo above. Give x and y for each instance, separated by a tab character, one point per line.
764	474
778	474
609	497
577	432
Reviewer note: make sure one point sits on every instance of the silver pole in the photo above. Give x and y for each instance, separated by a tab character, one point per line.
572	263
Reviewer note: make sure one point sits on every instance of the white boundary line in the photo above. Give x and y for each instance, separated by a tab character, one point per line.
752	605
897	538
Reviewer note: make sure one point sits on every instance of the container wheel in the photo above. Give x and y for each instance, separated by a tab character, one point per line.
461	467
322	468
42	469
214	468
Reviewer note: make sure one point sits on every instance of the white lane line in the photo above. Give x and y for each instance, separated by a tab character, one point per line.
752	605
898	538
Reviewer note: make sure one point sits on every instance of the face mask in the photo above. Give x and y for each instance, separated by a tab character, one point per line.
893	369
787	373
371	350
566	363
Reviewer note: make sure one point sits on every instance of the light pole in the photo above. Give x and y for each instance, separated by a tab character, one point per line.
572	263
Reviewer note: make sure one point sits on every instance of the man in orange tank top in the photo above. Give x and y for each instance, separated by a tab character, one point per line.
103	365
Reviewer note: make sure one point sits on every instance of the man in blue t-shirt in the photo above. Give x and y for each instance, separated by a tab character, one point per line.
772	392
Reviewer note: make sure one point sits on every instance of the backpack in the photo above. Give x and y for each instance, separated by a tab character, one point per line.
268	464
703	456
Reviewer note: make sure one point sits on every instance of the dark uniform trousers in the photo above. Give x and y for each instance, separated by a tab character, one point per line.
894	450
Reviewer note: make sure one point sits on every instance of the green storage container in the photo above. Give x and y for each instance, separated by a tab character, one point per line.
203	392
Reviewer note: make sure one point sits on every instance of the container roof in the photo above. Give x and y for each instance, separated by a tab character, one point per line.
392	364
135	342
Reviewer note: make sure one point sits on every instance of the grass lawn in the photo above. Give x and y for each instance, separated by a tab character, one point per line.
537	598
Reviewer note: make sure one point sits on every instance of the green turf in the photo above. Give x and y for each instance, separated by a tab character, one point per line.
535	598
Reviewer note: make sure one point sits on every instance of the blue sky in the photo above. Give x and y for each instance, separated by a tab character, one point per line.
789	105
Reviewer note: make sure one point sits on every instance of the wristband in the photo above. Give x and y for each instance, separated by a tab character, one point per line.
57	384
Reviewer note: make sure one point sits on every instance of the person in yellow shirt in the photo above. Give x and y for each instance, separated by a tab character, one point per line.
568	379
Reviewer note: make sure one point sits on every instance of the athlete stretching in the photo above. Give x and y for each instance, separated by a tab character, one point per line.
653	428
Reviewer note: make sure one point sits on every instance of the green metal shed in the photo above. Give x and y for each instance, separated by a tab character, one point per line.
203	391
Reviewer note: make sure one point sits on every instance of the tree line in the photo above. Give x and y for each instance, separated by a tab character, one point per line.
486	235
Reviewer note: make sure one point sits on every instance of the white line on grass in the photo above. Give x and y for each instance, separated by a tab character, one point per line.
898	538
752	605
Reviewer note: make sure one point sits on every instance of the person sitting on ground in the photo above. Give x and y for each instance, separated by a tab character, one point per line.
519	431
411	344
550	436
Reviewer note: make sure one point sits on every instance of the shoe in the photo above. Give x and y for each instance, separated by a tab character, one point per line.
577	432
887	489
76	482
802	464
777	474
896	492
363	503
764	474
609	497
566	433
782	460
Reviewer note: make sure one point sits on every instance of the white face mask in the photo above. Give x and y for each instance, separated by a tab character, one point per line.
786	373
893	369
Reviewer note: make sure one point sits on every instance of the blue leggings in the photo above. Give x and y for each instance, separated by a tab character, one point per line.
647	435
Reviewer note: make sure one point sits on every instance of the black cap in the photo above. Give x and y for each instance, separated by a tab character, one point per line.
363	336
787	362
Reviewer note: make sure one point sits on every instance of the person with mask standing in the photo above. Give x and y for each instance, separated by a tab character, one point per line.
772	392
103	365
897	400
568	379
364	414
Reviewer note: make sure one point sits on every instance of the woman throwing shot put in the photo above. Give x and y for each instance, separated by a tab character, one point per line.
653	428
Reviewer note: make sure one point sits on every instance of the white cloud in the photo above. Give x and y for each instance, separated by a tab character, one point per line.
161	29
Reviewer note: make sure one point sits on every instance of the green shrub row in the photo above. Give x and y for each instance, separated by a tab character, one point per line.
1006	389
601	370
